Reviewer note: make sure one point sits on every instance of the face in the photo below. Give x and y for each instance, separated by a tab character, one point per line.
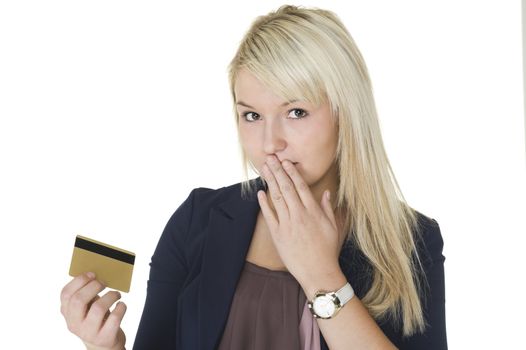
301	132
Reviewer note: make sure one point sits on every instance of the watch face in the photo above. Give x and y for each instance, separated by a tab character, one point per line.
324	306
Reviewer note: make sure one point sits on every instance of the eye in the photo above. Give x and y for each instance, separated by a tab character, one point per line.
251	116
295	113
298	113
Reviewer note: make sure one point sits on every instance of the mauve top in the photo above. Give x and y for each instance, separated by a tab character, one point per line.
269	311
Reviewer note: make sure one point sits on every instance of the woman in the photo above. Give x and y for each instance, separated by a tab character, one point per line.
321	251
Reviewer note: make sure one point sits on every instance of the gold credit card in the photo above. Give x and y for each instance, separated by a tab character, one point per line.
112	266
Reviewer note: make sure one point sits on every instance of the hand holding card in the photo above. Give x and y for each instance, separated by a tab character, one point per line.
112	266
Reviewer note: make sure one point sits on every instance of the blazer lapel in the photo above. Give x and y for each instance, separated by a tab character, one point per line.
230	230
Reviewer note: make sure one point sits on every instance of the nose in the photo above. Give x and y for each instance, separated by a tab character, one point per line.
273	140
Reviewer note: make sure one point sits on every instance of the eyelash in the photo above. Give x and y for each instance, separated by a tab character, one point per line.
294	109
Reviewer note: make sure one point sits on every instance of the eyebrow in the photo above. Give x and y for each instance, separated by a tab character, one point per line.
249	106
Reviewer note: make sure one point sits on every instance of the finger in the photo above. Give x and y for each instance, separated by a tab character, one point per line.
99	309
327	207
113	322
301	186
95	298
78	304
286	186
74	285
268	214
274	192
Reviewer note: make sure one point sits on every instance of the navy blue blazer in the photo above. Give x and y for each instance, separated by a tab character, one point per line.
199	258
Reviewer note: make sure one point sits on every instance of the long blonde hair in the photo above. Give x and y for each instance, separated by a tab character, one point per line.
307	53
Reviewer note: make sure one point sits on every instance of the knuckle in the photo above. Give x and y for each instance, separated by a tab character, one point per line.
73	328
64	294
97	308
68	290
97	284
276	197
77	300
82	279
303	186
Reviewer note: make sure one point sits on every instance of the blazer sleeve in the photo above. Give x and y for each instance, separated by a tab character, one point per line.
434	336
168	270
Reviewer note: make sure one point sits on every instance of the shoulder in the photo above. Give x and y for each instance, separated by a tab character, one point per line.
194	211
430	244
191	217
428	240
207	197
200	199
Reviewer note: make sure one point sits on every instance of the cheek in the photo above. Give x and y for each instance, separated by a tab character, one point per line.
319	149
244	136
247	139
248	144
316	141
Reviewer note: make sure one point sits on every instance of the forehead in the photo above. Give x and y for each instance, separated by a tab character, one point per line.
251	92
246	84
277	87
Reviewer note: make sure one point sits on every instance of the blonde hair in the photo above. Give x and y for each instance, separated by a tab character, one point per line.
308	54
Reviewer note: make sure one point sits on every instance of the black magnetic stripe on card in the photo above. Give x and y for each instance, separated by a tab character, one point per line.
103	250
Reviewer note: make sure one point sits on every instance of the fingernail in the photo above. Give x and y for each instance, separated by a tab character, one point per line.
90	275
328	195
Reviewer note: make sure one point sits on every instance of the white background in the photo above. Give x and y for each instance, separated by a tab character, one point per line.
112	111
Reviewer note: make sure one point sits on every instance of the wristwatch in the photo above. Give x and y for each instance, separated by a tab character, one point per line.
326	305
